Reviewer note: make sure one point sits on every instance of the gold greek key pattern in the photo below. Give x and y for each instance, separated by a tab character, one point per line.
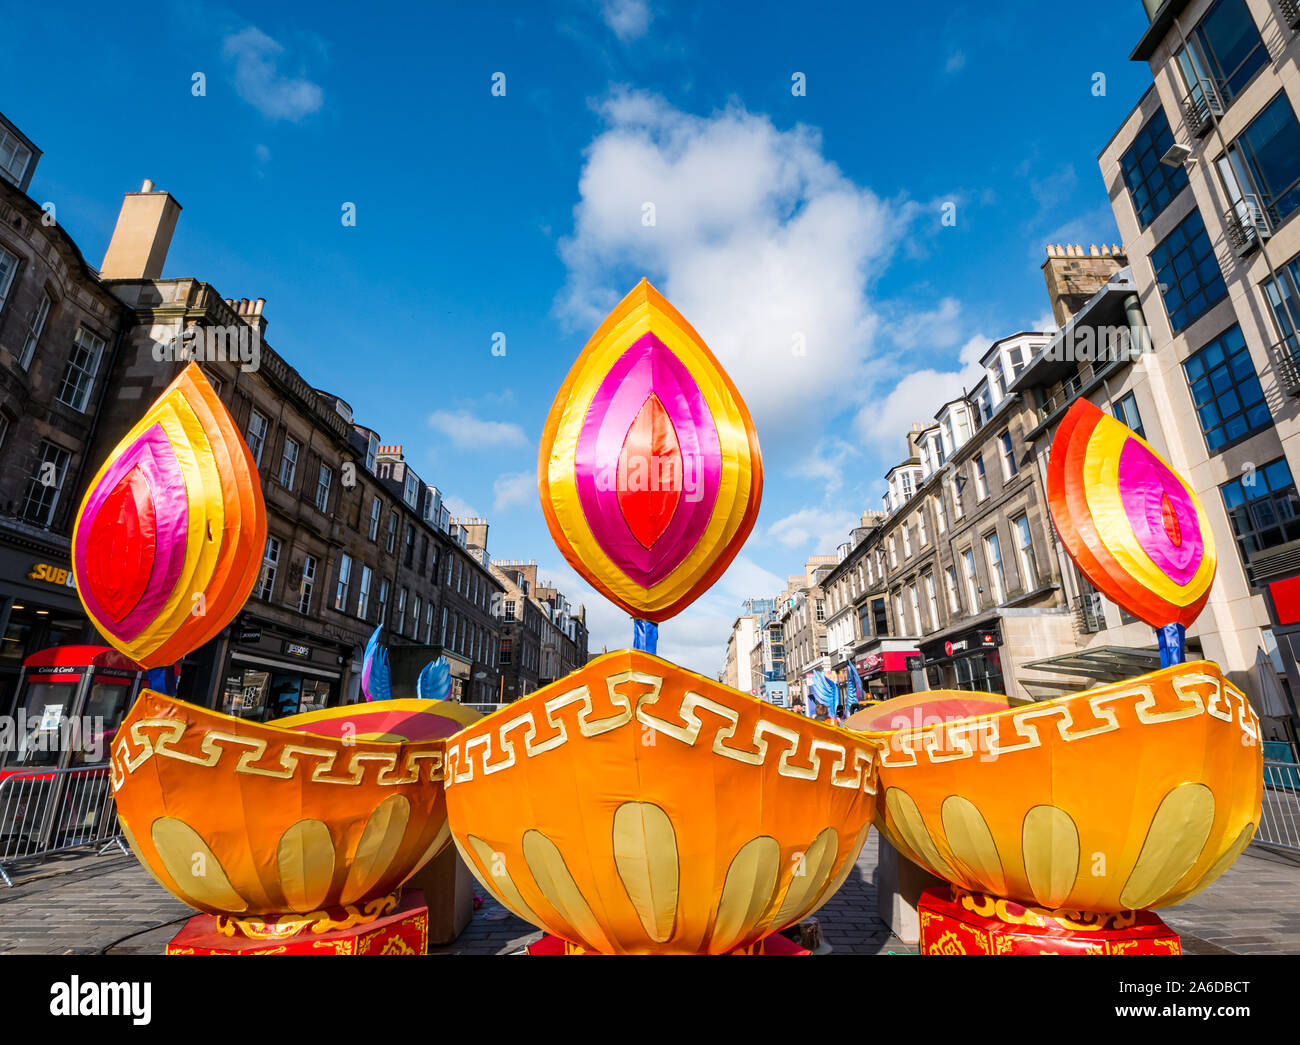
844	768
991	737
157	737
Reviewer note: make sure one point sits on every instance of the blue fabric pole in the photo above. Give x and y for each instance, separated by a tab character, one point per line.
1173	644
645	635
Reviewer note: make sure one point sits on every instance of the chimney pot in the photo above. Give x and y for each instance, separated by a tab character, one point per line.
258	306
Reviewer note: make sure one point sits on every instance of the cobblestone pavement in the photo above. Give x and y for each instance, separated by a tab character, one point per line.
94	904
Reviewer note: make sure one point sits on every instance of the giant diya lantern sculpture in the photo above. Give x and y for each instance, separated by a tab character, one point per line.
634	806
1061	824
291	836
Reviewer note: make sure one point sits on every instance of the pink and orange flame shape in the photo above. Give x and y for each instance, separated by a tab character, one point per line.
1129	521
169	538
649	469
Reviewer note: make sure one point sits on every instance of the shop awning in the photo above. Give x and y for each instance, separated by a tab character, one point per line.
292	667
1102	663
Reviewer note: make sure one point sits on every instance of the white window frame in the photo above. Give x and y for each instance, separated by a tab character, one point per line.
7	273
35	327
1008	454
92	346
363	591
14	146
344	580
308	584
290	460
971	578
1025	551
257	439
997	572
981	476
324	481
270	567
954	596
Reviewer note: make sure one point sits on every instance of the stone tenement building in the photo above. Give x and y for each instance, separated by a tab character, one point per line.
59	332
355	539
542	638
803	625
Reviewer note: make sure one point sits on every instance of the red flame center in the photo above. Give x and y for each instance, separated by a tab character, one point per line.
1170	519
650	473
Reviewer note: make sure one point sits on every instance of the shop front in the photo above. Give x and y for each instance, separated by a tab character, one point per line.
271	672
887	673
969	660
39	610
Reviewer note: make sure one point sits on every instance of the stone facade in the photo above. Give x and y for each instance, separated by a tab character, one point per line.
59	333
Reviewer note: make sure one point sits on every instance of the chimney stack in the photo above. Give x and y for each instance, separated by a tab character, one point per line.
142	235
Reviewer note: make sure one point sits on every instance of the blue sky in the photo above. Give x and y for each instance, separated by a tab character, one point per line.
777	218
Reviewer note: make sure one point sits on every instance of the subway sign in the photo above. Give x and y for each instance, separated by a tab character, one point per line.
49	573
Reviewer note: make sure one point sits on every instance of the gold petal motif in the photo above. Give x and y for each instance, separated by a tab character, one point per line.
495	878
747	892
1050	845
645	855
971	843
194	868
380	840
811	875
910	826
850	862
1226	859
305	860
551	874
1174	842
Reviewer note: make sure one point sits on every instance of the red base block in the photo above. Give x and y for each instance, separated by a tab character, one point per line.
405	931
774	944
957	922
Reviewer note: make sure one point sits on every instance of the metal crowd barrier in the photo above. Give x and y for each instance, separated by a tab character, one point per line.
44	811
1279	823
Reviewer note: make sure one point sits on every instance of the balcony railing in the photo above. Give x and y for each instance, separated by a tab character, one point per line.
1073	385
1291	13
1090	613
1202	104
1249	223
1286	358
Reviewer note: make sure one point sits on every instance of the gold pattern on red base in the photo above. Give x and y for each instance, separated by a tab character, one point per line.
959	922
403	930
336	918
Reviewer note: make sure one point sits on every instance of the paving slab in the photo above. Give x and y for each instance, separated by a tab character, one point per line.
89	903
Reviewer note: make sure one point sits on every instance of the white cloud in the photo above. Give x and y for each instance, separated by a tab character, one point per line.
761	242
956	62
827	463
461	509
627	19
258	81
884	423
467	431
262	153
513	488
824	528
941	327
